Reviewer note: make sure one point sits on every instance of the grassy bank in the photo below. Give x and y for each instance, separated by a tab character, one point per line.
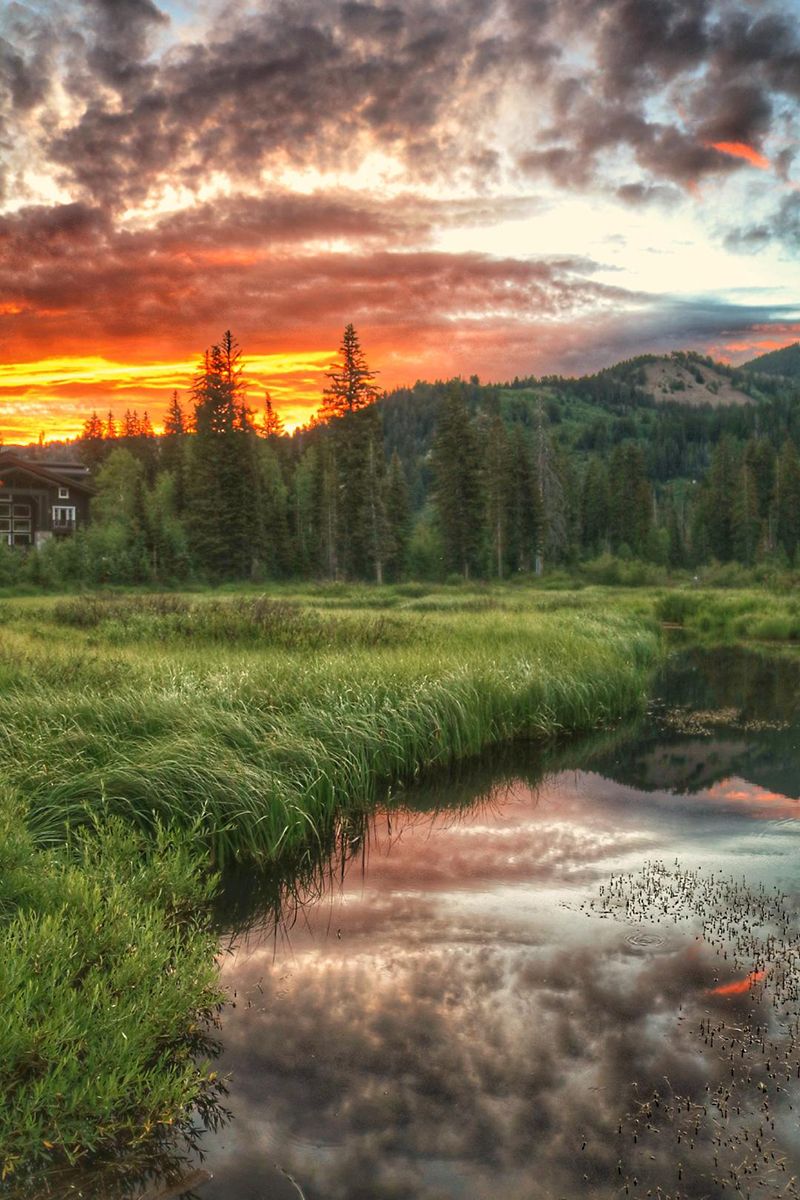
251	723
145	738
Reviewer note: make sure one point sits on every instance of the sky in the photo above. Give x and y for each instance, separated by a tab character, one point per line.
489	187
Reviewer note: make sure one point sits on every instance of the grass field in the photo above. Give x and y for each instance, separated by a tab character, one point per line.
148	740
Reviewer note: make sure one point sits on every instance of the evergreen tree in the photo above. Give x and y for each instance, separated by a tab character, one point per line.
554	543
351	387
93	449
456	465
226	528
630	508
787	499
525	515
594	507
720	499
173	450
747	524
275	513
398	519
273	422
496	456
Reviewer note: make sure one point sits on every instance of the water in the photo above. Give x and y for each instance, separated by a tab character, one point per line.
449	1013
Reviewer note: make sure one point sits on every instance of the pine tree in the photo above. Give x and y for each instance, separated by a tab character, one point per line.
351	387
525	515
173	450
456	465
594	507
630	508
722	489
111	431
226	526
92	439
747	524
496	458
554	542
398	519
787	499
273	423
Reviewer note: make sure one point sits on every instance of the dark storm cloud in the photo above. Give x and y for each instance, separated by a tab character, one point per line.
667	81
320	84
308	83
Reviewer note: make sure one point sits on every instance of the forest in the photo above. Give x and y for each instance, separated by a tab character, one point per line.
442	480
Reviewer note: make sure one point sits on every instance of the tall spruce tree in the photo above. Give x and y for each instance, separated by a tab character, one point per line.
351	467
226	525
787	499
525	515
398	519
594	507
351	380
496	461
456	466
719	507
173	450
630	507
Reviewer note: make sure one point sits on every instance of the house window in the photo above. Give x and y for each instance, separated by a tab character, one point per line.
63	493
63	515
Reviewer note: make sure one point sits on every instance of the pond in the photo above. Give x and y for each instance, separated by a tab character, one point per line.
559	972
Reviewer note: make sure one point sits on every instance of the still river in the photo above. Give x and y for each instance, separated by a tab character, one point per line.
468	1003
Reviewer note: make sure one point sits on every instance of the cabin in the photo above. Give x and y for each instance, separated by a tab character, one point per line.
40	500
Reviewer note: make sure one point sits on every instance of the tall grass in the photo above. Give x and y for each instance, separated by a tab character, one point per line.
141	737
107	981
256	750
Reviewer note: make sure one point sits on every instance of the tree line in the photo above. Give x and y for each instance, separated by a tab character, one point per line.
477	482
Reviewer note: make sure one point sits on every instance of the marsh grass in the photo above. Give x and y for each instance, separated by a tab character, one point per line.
736	616
143	738
256	749
109	987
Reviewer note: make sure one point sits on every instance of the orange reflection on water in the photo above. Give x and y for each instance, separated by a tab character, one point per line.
739	986
761	802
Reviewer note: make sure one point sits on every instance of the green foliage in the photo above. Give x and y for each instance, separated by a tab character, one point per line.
108	986
457	490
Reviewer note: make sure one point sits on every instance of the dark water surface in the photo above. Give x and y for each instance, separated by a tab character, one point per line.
447	1020
444	1017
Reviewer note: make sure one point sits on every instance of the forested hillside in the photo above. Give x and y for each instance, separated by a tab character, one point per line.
784	362
674	461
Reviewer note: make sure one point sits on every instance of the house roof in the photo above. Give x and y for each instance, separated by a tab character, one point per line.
12	462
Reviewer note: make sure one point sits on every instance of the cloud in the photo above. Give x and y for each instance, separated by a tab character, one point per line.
781	225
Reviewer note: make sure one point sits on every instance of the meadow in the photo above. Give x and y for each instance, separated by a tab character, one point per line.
150	741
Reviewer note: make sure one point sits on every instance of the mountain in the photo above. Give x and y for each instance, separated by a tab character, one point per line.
785	362
683	377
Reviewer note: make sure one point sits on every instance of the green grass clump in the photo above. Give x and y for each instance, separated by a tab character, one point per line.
142	736
257	750
108	984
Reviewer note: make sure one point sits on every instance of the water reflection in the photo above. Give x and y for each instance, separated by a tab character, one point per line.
432	1013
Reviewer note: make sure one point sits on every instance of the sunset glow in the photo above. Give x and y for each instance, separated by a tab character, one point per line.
504	194
743	151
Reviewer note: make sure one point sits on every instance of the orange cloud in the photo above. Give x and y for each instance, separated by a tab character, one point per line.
739	986
742	150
